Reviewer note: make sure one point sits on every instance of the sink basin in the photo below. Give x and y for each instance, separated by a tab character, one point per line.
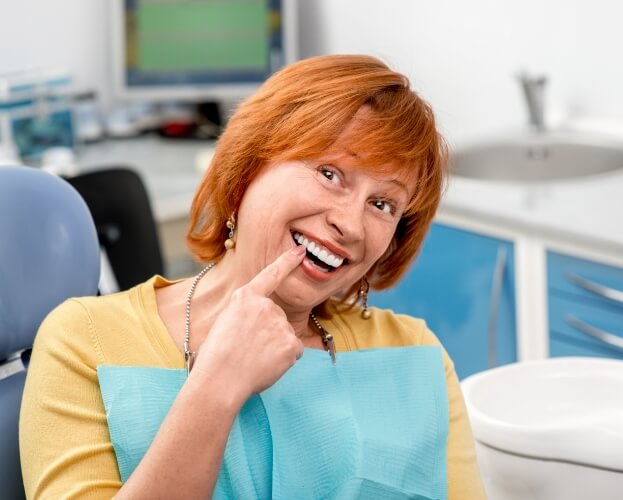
565	408
549	429
538	158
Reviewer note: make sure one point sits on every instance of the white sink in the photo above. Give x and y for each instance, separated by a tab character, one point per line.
547	425
538	157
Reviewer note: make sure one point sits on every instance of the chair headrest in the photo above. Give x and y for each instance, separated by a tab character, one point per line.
48	252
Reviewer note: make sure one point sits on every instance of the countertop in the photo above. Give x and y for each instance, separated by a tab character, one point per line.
580	210
171	169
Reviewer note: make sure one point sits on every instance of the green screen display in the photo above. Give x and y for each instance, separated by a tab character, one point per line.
202	35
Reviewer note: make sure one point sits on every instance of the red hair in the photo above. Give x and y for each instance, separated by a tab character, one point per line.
297	114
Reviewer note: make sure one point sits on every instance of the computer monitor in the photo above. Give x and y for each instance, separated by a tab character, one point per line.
199	50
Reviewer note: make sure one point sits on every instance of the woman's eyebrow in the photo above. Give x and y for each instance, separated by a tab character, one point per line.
400	184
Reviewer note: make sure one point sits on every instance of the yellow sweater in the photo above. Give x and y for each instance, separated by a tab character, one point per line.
64	442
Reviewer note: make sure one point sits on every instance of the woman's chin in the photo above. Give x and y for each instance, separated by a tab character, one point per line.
293	296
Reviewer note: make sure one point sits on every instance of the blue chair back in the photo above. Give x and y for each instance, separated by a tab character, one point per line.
48	252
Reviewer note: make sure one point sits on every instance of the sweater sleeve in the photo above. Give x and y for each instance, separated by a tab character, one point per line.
64	441
464	480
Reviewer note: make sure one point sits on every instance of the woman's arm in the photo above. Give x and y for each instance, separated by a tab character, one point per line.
65	443
185	457
65	447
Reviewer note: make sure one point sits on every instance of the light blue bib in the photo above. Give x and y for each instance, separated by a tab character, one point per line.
372	426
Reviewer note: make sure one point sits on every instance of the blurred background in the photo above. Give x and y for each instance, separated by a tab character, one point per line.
125	99
526	93
463	56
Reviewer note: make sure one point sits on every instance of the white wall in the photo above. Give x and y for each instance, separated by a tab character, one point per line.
461	55
65	34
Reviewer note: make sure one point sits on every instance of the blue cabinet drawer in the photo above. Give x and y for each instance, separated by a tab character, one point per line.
559	345
452	286
582	279
568	317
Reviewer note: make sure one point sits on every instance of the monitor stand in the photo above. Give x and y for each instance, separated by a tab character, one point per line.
207	124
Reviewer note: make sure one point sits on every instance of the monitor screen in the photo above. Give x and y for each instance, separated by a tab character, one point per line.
200	49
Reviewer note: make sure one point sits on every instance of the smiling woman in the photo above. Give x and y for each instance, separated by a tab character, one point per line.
323	185
351	105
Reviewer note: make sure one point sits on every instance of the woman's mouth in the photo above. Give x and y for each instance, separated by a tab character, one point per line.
319	256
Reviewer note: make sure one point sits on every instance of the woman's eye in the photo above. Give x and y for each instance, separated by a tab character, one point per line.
384	206
329	174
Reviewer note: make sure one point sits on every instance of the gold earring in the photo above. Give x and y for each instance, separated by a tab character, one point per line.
231	225
364	286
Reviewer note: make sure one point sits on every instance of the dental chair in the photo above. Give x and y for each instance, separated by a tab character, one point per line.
48	252
126	228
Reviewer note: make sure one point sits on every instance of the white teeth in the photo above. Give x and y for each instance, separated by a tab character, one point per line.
318	251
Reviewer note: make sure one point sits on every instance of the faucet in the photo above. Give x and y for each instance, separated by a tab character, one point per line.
533	87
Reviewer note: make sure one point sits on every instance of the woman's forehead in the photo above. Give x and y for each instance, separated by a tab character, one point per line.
381	166
361	142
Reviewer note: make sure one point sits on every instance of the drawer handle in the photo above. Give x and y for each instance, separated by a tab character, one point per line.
603	291
494	304
606	337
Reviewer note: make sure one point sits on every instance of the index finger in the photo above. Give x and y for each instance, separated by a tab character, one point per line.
269	278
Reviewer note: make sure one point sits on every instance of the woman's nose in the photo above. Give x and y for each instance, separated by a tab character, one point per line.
347	219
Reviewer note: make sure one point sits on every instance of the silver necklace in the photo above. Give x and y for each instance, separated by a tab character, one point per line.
189	356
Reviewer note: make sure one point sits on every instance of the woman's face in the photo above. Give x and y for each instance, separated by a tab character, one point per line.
344	214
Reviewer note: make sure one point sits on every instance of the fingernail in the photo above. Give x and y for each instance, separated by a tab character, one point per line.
298	250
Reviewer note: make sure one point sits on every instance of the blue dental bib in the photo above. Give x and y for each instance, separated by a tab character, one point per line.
372	426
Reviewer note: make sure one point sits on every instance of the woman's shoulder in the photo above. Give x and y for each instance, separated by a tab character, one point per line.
102	325
384	328
78	311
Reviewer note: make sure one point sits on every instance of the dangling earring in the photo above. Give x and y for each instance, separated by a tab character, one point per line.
364	286
231	225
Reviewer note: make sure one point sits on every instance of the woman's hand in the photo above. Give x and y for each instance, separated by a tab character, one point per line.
251	343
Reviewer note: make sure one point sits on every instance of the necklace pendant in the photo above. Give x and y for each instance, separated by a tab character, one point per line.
327	340
331	349
189	359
